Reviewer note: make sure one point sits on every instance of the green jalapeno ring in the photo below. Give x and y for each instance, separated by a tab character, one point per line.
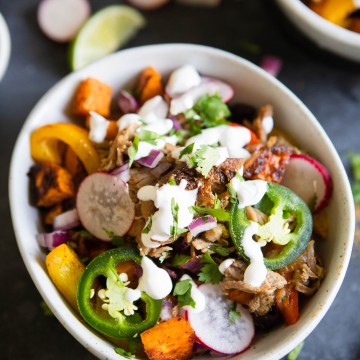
104	265
283	199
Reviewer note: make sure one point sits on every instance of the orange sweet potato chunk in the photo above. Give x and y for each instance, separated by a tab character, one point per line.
92	95
50	184
150	84
170	340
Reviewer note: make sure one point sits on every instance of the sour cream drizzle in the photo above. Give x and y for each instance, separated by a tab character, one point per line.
182	80
98	127
225	265
230	137
154	281
256	272
163	219
249	192
196	295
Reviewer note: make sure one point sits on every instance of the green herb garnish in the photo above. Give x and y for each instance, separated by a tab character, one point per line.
210	271
183	291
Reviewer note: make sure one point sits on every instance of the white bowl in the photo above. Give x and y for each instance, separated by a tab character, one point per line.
252	85
5	46
325	34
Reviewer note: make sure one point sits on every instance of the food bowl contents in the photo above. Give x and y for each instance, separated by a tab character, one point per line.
178	221
344	13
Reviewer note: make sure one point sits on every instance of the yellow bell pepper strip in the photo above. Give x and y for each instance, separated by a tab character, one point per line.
44	144
65	269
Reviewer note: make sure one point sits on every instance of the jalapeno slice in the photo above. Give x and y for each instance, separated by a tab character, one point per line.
278	200
118	325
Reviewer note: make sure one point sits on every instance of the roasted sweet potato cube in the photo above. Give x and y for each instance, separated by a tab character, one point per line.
51	213
150	84
170	340
92	95
50	184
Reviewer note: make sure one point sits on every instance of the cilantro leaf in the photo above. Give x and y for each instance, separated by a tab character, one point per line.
210	271
124	353
148	226
172	181
150	137
133	149
212	110
174	229
222	251
180	259
115	239
219	214
187	150
232	193
233	314
206	157
84	233
163	256
183	291
294	354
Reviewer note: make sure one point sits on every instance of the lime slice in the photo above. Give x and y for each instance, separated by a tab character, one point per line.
106	31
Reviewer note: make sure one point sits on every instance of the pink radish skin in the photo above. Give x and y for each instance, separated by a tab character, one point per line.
60	20
147	4
103	202
306	177
208	86
213	328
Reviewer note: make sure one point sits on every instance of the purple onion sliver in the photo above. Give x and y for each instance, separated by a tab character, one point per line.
122	172
200	225
54	239
194	265
176	124
271	64
127	103
67	220
152	160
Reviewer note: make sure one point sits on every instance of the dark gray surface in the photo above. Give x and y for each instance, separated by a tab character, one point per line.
328	85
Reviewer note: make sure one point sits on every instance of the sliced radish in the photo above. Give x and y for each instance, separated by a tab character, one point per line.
208	86
309	179
147	4
213	327
104	206
60	20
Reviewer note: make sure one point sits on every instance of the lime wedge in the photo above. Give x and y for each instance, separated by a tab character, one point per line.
106	31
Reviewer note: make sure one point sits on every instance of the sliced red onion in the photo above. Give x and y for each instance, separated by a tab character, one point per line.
194	265
208	86
202	224
122	172
166	310
271	64
127	103
54	239
152	160
67	220
176	124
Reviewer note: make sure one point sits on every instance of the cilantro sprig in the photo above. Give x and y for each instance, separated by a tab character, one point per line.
210	273
183	292
233	314
174	229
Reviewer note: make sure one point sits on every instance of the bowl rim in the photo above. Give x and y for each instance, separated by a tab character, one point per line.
5	46
323	26
68	317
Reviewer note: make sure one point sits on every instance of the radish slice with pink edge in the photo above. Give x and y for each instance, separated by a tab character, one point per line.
60	20
104	205
309	179
213	327
208	86
147	4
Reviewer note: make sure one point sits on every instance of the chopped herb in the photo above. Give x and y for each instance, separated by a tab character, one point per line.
45	309
133	149
174	229
124	353
163	256
219	214
222	251
172	181
205	219
212	110
240	177
355	165
313	202
180	259
206	158
115	239
84	233
150	137
294	354
233	314
284	298
217	202
194	122
187	150
210	271
148	226
232	192
183	291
